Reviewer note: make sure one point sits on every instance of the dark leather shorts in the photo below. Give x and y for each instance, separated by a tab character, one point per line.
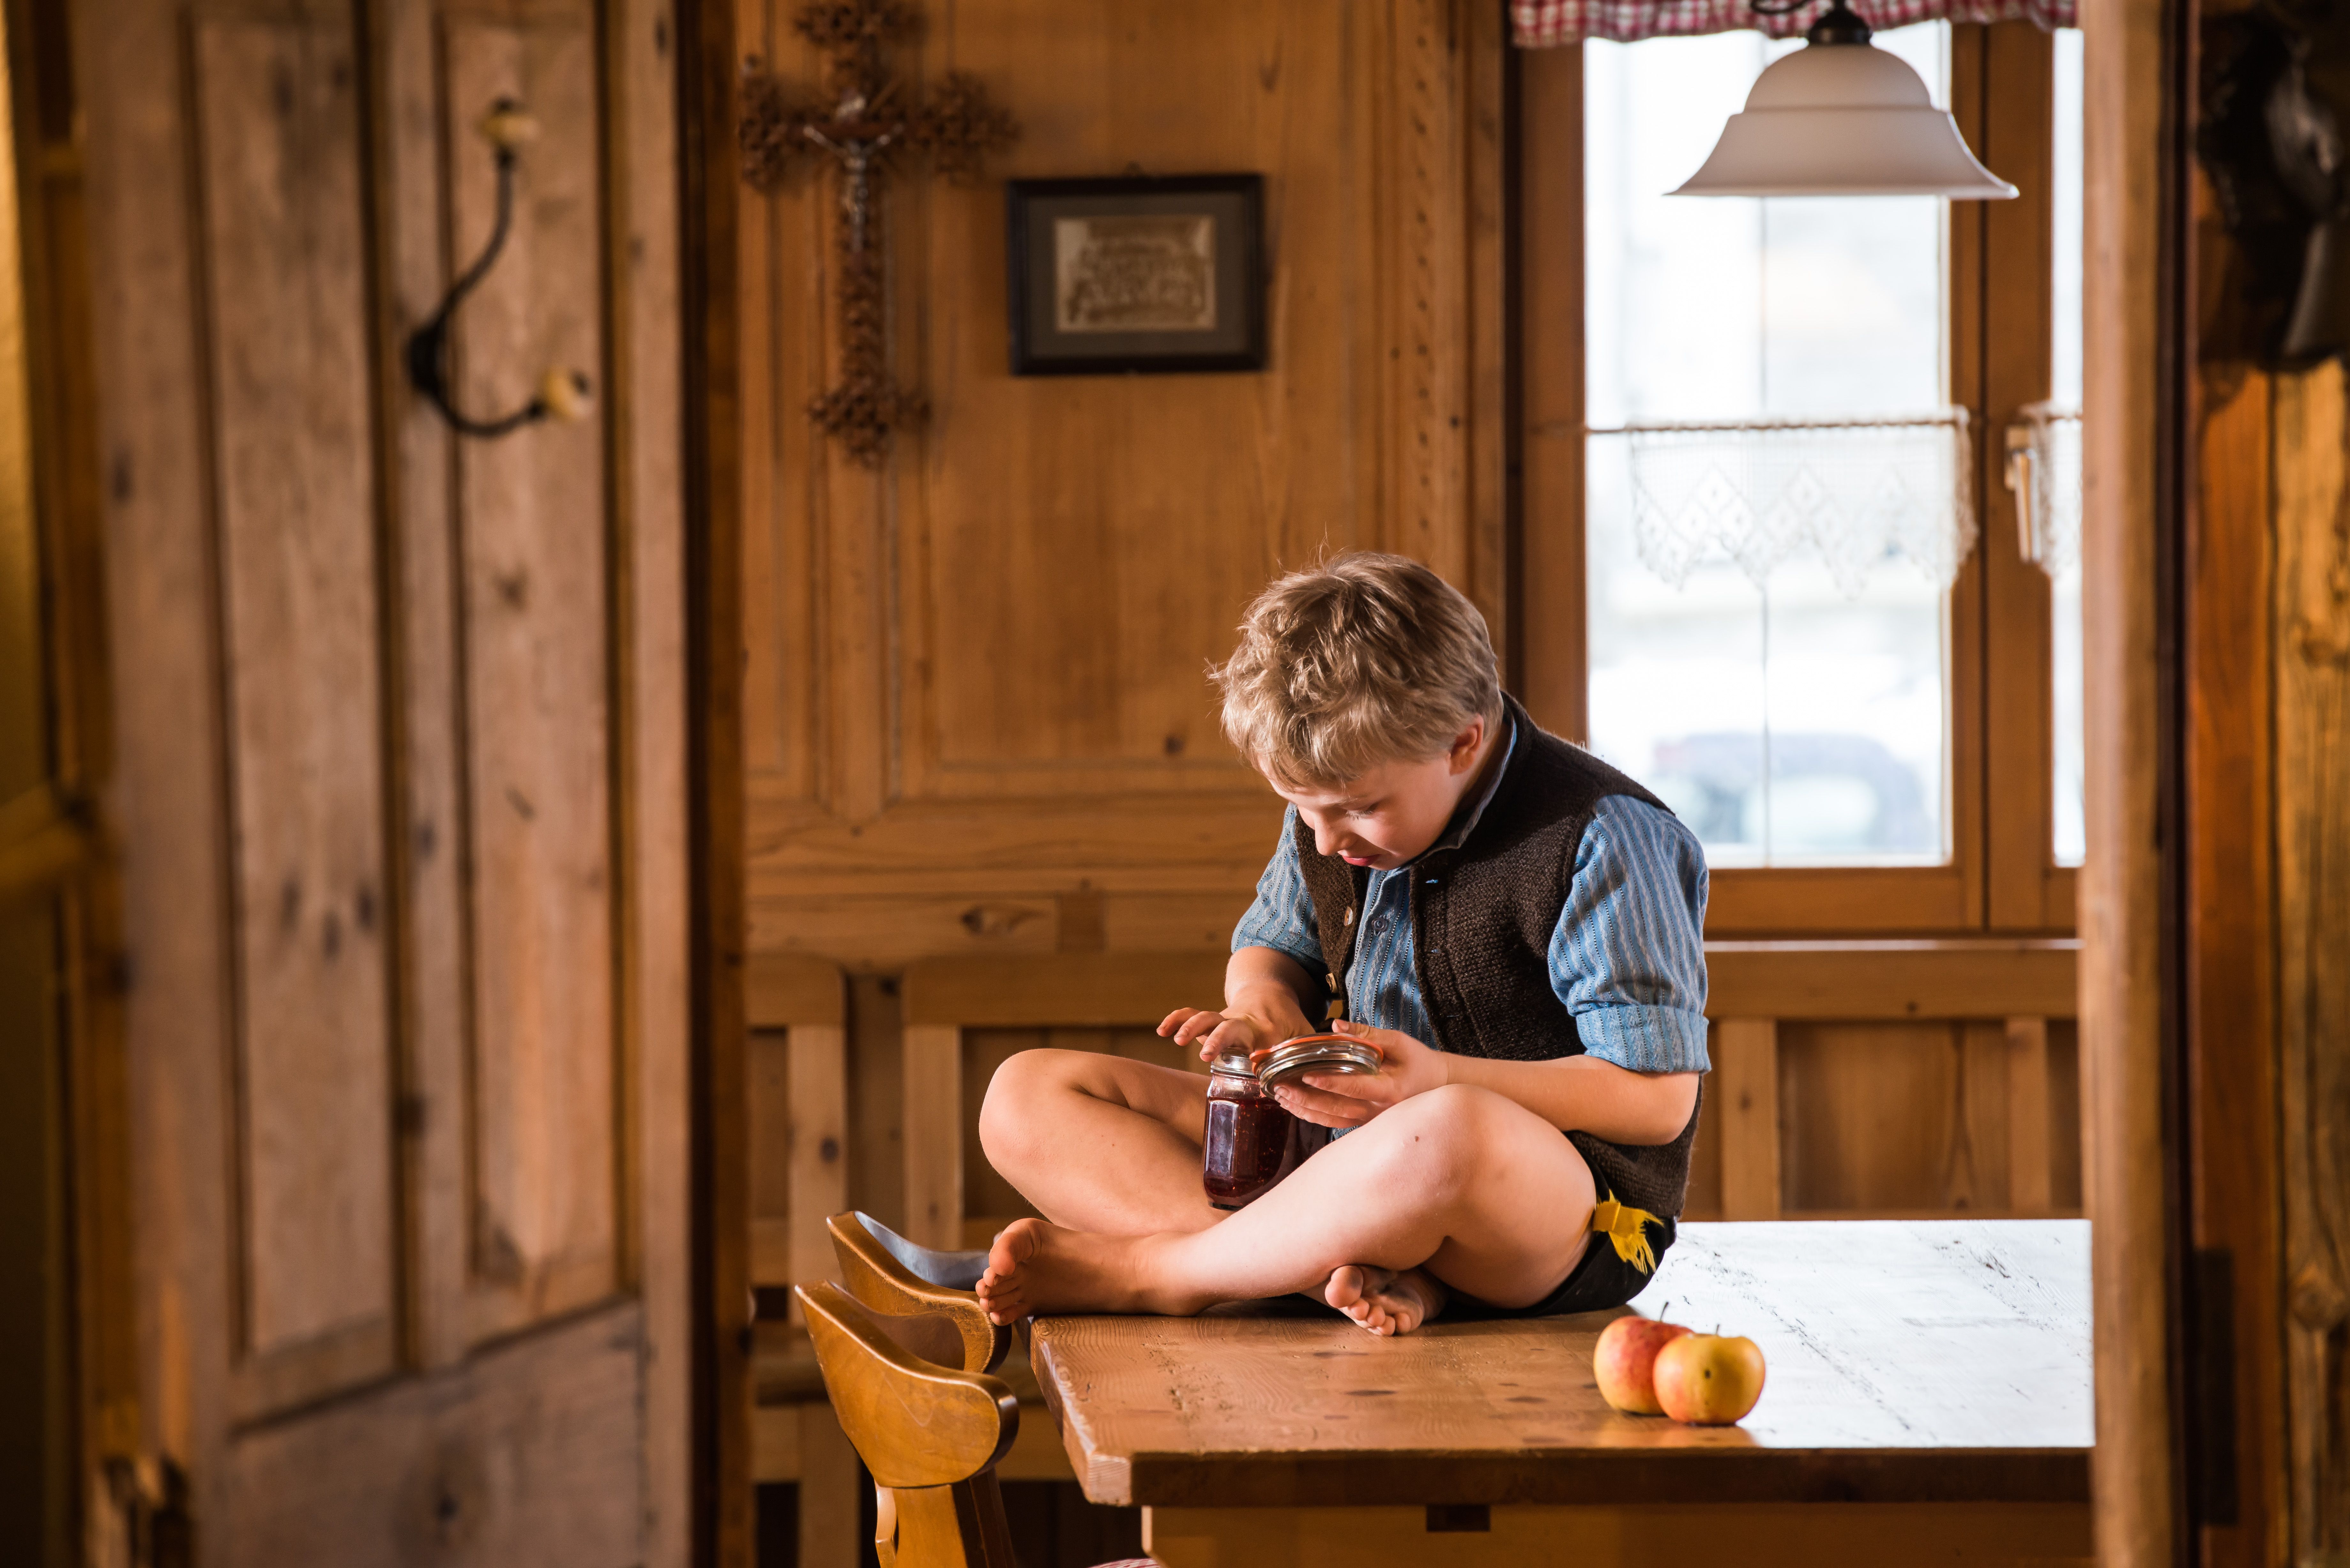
1600	1281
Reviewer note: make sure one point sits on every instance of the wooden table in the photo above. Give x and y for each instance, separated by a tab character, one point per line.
1927	1400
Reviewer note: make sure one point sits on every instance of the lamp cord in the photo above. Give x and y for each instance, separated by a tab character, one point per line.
1839	23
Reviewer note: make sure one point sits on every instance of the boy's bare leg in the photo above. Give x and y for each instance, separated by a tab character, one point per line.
1484	1195
1033	1091
1100	1143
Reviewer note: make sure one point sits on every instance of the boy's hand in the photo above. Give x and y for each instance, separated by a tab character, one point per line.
1255	1021
1350	1099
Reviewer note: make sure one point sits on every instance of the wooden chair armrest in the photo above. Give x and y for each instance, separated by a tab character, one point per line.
914	1423
878	1276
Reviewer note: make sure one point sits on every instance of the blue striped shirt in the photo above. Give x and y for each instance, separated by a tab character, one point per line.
1627	956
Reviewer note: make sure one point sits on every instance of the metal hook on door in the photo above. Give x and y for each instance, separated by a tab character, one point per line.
563	394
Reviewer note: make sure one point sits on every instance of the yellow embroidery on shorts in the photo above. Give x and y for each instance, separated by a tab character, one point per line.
1628	1228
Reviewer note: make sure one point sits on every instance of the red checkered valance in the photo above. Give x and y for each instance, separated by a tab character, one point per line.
1543	24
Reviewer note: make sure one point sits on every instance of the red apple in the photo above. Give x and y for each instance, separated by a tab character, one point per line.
1709	1379
1625	1359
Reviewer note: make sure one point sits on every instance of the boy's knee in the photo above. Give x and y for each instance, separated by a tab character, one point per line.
1439	1139
1009	1116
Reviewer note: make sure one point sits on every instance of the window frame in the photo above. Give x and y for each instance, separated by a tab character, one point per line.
2002	875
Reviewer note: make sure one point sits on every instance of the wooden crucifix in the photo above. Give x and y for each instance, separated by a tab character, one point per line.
863	127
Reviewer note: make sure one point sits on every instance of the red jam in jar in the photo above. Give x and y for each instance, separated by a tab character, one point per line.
1250	1139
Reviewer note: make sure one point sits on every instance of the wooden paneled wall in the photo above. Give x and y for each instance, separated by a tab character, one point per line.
978	720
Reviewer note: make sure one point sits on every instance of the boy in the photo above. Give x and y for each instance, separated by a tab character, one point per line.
1513	923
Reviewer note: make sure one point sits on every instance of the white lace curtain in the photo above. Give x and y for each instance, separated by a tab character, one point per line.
1859	495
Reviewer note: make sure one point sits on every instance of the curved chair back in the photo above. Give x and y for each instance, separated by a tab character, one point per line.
891	1275
931	1436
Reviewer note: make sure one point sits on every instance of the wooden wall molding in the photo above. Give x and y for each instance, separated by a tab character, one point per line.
1862	981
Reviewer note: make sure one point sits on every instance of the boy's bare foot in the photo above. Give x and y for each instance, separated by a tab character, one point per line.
1383	1300
1038	1267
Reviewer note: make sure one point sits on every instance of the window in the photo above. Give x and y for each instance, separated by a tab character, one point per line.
1790	709
1772	567
2070	755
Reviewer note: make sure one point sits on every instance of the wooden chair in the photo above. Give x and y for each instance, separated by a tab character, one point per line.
892	1276
931	1434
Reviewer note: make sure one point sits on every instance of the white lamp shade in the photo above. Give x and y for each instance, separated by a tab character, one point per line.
1843	119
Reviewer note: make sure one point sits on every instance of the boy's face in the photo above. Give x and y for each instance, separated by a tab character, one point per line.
1393	812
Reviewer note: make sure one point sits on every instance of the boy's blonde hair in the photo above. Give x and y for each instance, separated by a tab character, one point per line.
1364	660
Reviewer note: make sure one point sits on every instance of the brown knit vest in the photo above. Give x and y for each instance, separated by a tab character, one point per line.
1482	917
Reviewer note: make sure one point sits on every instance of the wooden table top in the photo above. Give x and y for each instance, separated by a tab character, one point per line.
1943	1361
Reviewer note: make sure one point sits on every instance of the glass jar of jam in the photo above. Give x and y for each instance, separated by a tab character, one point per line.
1250	1142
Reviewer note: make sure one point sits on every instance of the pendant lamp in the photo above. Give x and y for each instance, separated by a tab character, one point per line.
1840	116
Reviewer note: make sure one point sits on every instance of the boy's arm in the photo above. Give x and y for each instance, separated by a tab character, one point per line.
1583	1094
1574	1094
1267	995
1270	989
1627	959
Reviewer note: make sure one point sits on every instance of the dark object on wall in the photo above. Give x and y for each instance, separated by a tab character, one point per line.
562	394
2272	136
864	127
1136	274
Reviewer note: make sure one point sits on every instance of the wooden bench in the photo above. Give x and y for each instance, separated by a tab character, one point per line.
2014	986
797	1086
798	1011
1927	1400
2008	988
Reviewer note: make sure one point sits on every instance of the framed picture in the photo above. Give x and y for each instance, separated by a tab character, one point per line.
1136	274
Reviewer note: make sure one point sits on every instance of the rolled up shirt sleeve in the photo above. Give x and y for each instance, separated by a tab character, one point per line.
1281	918
1629	955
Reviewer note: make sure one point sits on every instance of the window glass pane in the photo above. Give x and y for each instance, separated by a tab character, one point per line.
2064	363
1801	719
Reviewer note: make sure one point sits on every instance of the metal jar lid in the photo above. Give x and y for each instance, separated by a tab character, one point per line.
1233	1061
1292	1059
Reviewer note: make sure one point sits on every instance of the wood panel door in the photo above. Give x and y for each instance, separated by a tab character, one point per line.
399	775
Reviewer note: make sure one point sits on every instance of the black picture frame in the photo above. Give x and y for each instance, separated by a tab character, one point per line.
1137	275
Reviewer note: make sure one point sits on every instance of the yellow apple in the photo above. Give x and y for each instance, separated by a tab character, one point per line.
1624	1362
1709	1379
